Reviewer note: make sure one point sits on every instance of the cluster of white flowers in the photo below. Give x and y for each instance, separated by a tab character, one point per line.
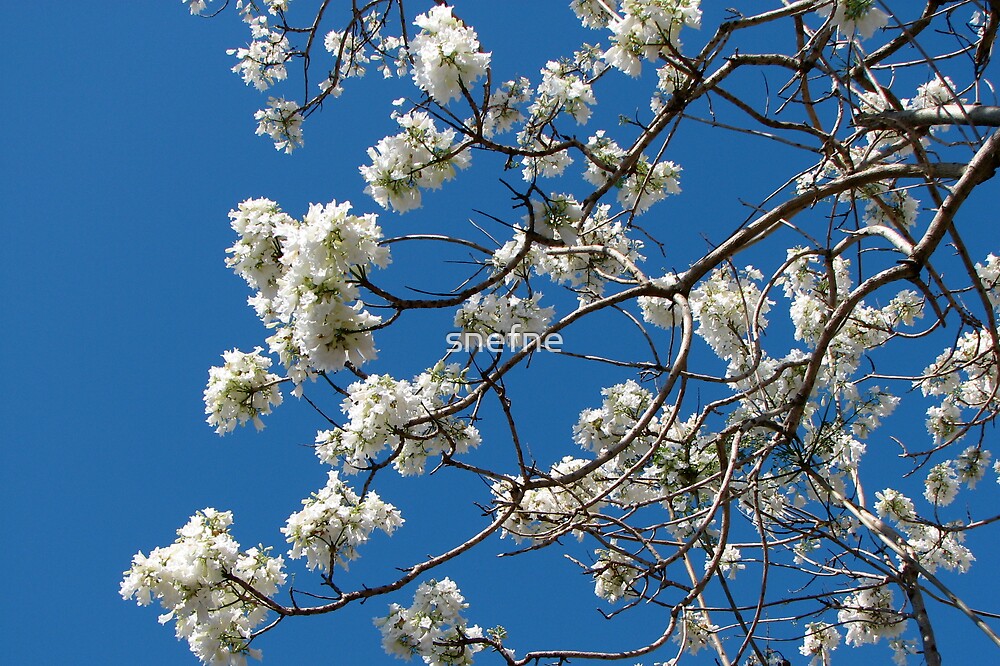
262	62
350	50
933	546
596	250
727	307
502	109
195	580
553	510
649	29
432	628
936	547
379	411
966	375
941	484
895	505
696	631
446	55
820	640
614	573
669	79
854	16
807	284
587	272
894	208
869	616
971	465
938	92
305	276
888	143
282	122
516	320
196	6
730	563
834	446
811	286
646	184
421	156
592	13
545	161
661	311
323	325
241	390
989	275
682	457
557	217
605	155
256	255
561	91
598	430
334	522
642	187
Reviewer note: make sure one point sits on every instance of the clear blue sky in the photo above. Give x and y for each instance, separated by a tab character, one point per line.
128	141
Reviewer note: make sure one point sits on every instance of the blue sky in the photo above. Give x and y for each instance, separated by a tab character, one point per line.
128	142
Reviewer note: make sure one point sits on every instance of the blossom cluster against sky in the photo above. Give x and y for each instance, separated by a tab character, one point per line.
129	141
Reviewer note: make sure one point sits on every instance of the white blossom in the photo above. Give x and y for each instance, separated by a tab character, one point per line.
614	572
561	91
549	161
855	16
503	108
966	376
432	627
669	79
894	207
868	616
938	92
605	156
728	307
662	312
695	632
350	52
446	55
989	274
648	29
262	62
730	562
594	249
895	505
193	579
971	465
241	390
282	122
646	185
317	295
196	6
510	318
592	13
419	157
820	640
563	507
598	249
256	255
941	484
379	410
334	522
935	547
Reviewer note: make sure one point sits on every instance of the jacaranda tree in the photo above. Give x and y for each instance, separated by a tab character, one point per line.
718	468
